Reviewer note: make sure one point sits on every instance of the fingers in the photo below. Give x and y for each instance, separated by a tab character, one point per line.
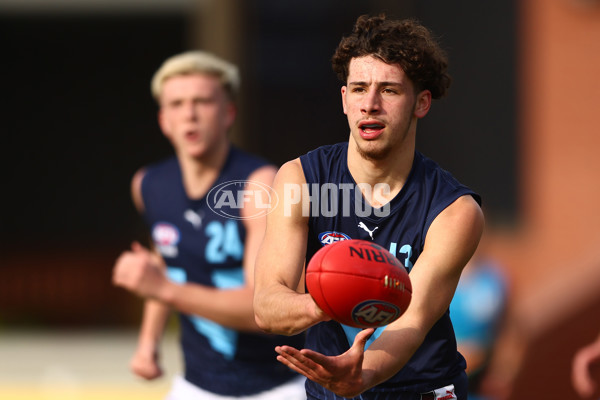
118	269
131	265
582	381
136	247
147	369
360	341
287	359
288	355
362	337
128	271
297	361
339	374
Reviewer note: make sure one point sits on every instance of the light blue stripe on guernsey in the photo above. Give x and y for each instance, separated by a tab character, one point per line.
221	339
228	278
177	275
351	333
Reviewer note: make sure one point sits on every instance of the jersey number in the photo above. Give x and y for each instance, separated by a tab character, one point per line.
405	250
224	242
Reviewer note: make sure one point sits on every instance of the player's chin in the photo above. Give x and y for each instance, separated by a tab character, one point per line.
372	150
197	152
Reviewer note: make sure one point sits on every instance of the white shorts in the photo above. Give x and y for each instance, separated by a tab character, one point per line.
184	390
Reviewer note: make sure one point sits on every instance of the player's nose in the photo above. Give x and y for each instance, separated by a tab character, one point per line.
371	103
190	112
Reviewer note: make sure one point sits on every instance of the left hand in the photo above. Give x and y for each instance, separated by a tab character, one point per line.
343	374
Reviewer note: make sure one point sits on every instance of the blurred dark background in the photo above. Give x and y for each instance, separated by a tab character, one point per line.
519	126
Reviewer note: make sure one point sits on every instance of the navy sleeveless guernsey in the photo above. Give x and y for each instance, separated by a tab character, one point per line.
204	247
402	230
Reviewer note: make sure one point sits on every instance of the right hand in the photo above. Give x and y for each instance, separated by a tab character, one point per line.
139	271
321	315
145	365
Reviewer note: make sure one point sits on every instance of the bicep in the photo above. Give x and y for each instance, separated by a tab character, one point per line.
254	215
281	255
136	190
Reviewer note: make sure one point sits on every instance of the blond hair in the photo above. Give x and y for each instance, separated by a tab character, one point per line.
200	62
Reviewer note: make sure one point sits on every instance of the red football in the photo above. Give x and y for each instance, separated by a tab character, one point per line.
358	283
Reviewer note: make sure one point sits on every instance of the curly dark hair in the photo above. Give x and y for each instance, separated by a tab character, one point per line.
404	42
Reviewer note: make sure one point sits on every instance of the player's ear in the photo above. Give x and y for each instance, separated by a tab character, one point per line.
423	103
344	89
162	123
230	115
161	120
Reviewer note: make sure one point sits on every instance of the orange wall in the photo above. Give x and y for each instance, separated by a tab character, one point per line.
559	145
553	257
560	125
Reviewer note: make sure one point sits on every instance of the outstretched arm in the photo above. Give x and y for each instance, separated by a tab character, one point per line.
228	307
146	359
145	362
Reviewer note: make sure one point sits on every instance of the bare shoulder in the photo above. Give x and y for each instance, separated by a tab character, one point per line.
264	174
459	226
290	172
259	186
287	195
465	210
136	189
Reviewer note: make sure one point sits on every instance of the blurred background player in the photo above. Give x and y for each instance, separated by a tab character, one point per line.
208	256
391	71
477	310
586	369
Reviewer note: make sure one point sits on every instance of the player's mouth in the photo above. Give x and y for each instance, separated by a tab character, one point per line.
192	135
370	129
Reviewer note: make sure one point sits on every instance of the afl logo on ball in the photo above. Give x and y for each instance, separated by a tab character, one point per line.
373	313
331	237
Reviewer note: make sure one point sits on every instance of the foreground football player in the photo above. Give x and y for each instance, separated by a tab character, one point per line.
391	71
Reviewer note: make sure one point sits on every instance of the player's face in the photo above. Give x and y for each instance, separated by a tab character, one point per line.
195	113
382	107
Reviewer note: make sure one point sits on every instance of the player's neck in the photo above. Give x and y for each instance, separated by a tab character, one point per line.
392	170
199	174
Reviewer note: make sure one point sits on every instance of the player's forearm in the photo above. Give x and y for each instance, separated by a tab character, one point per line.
231	308
153	324
286	312
389	353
